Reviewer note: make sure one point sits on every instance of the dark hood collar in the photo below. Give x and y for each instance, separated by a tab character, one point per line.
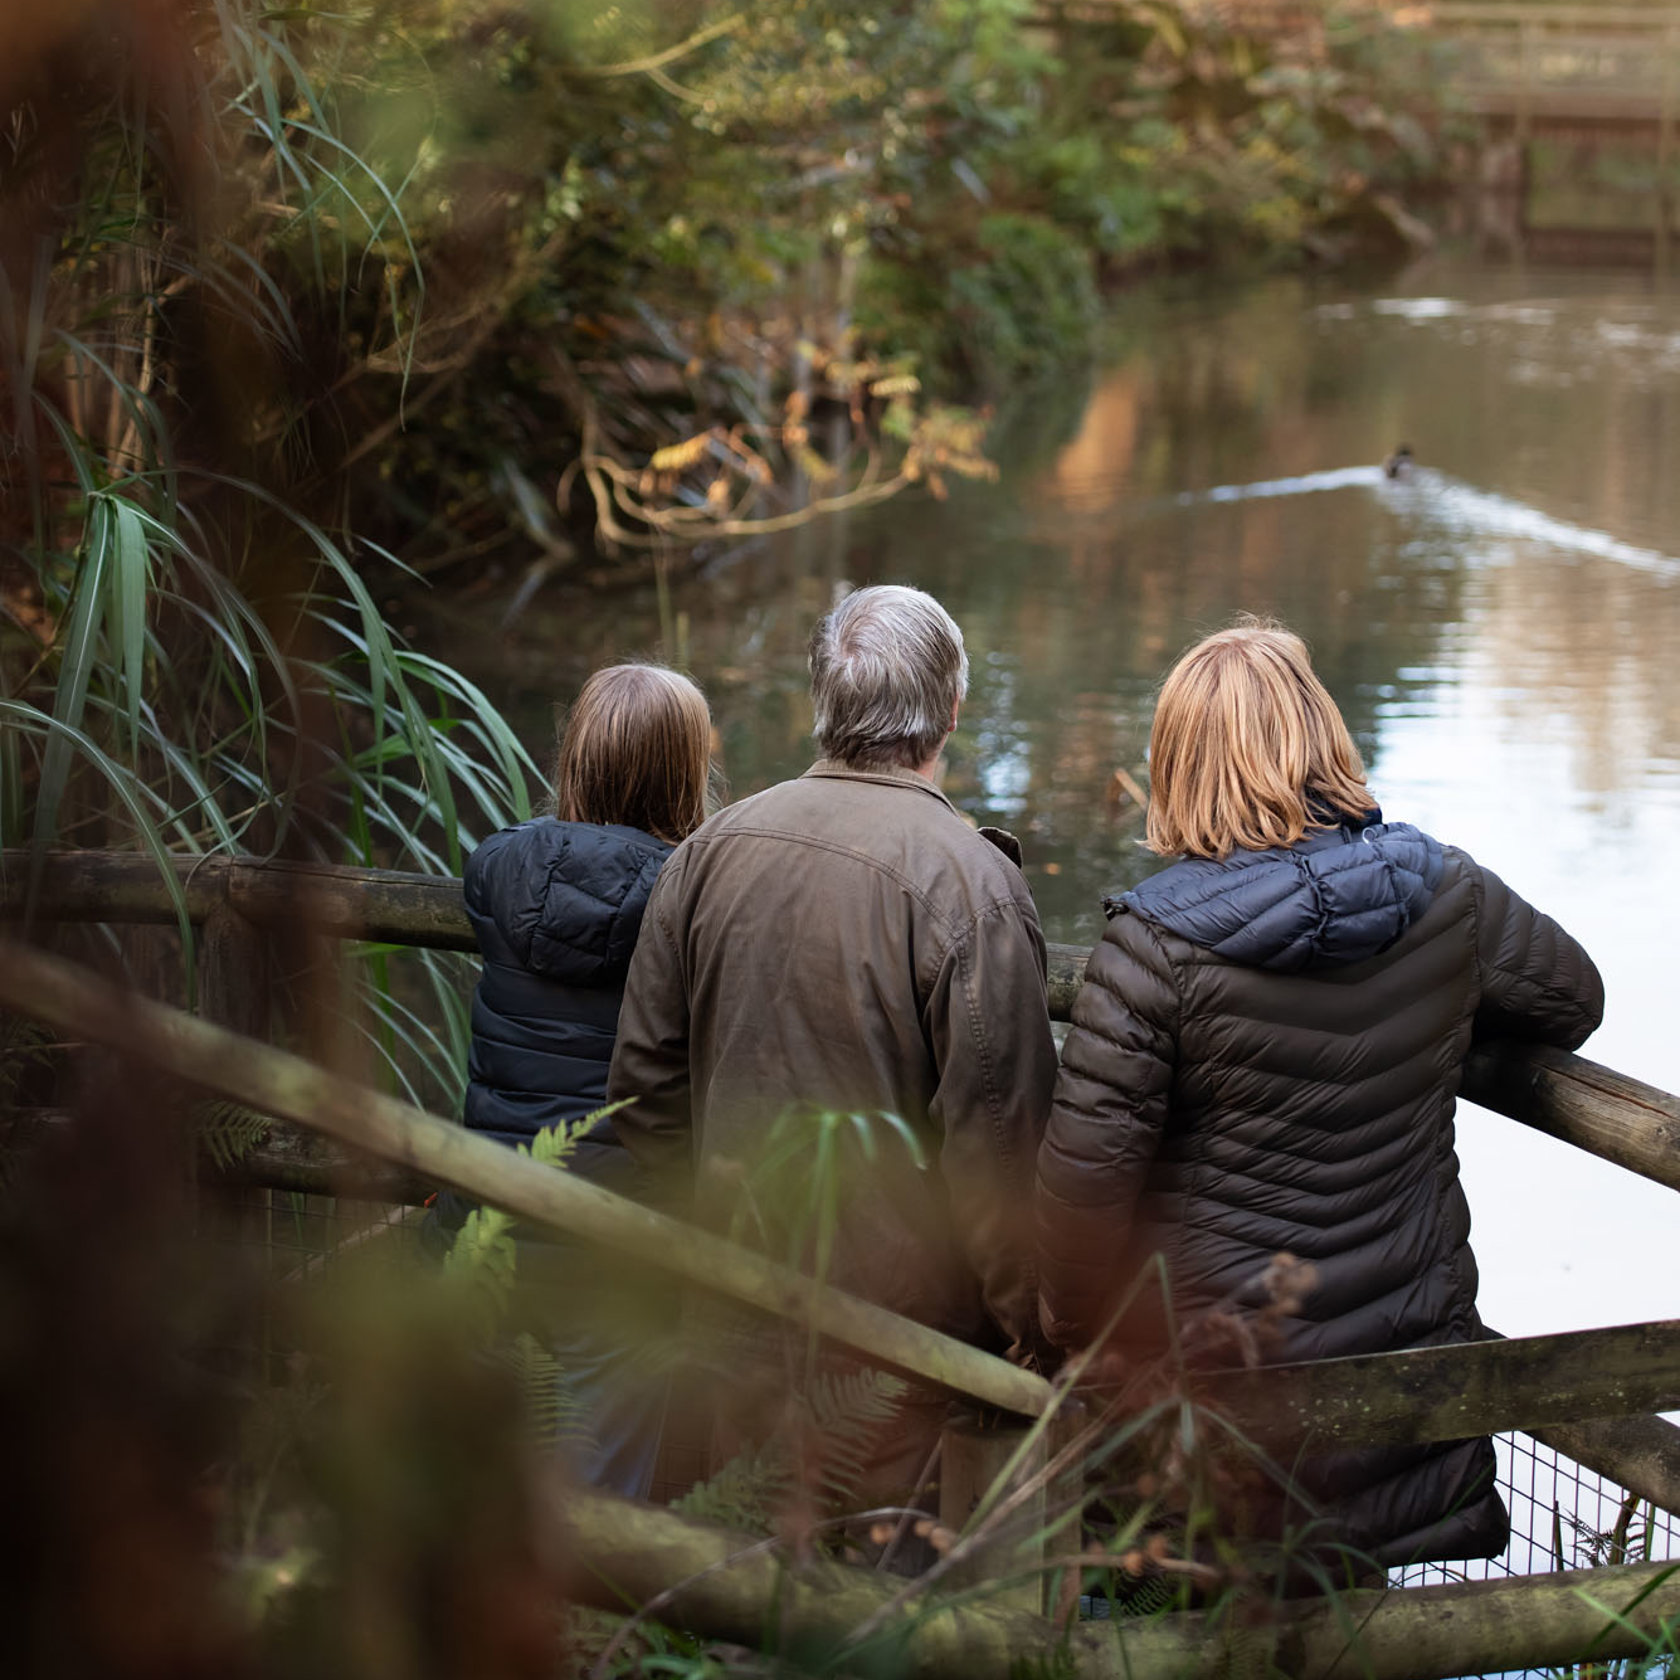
566	897
1338	895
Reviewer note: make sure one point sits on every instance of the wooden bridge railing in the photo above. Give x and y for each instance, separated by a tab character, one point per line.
1561	63
1561	1388
1526	61
1603	1112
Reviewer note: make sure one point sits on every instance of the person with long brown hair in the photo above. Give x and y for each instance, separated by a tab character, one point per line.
556	904
1259	1087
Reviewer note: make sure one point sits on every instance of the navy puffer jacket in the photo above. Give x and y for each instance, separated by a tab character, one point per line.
556	907
1265	1058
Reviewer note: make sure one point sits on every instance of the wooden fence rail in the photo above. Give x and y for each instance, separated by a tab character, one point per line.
1556	1384
1422	1395
1562	64
730	1587
1603	1112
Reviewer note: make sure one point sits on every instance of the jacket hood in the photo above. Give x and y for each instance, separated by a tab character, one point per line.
1336	896
566	898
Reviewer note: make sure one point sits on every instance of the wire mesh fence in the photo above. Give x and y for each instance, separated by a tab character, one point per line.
293	1236
1564	1516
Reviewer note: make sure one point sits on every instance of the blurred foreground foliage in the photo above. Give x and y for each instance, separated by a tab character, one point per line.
253	1441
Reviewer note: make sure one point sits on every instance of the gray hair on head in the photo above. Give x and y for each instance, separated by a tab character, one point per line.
887	667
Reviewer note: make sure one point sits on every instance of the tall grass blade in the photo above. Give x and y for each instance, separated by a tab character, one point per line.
133	579
75	671
128	791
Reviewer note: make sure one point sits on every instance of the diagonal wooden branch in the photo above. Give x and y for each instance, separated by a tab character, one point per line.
658	60
1426	1394
278	1083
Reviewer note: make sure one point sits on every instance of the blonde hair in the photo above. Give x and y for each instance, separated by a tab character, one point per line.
1248	749
636	750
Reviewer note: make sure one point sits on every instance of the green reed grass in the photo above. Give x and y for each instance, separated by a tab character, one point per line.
190	660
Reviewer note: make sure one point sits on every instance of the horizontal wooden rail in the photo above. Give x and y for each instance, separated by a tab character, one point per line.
1430	1394
1641	1454
736	1588
1442	16
1448	1393
1603	1112
386	906
1618	1119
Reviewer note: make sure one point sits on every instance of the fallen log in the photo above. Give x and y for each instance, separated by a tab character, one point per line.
732	1587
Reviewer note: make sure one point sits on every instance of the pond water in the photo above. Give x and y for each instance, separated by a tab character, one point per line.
1502	632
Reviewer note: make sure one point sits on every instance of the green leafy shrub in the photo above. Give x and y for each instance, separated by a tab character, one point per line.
1019	304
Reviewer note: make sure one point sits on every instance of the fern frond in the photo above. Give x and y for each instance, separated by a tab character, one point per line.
229	1131
24	1044
554	1146
484	1252
552	1408
1148	1597
744	1494
852	1399
847	1412
851	1410
484	1256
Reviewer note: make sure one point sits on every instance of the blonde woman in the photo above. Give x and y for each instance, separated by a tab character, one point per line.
556	904
1264	1060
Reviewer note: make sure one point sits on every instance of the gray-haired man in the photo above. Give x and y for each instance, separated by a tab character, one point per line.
845	944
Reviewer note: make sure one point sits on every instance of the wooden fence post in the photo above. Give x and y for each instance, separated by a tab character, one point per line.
972	1456
233	974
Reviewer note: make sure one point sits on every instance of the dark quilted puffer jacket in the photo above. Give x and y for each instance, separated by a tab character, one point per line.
556	907
1265	1057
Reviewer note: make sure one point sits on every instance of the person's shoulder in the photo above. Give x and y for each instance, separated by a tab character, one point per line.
529	859
752	810
541	842
743	812
966	869
633	848
510	850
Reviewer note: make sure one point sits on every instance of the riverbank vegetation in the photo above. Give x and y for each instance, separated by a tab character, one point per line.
299	305
519	286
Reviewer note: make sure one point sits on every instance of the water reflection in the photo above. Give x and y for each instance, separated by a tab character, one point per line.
1503	634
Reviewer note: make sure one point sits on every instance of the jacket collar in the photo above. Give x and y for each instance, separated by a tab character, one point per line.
886	775
1337	895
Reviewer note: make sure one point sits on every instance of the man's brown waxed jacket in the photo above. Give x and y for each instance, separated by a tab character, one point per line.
846	943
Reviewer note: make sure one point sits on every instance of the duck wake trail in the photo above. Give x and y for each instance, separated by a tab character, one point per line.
1434	499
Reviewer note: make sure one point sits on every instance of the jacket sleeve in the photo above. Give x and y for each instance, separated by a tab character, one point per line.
1105	1127
1537	982
650	1067
988	1021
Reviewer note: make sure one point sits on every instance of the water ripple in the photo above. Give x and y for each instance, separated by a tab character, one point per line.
1434	498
